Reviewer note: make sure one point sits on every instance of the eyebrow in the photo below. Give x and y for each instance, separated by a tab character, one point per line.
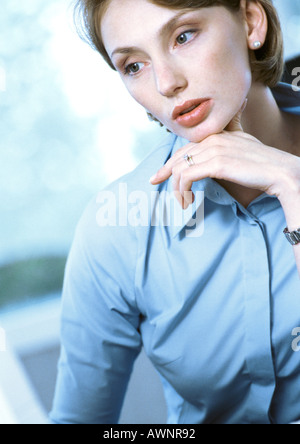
165	29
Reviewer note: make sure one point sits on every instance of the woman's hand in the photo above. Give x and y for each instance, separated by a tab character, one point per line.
233	156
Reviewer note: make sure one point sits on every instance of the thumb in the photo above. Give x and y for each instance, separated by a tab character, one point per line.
235	124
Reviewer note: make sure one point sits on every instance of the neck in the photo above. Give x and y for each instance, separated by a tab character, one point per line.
264	120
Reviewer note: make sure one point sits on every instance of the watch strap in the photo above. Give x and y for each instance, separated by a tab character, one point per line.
293	237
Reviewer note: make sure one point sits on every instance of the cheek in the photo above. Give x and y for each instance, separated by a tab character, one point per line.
230	65
143	95
231	77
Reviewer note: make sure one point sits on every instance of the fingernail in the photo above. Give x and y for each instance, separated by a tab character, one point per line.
153	178
189	197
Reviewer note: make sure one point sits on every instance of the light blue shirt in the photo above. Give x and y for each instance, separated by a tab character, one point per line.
214	300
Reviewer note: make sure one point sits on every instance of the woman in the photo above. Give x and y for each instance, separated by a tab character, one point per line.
215	309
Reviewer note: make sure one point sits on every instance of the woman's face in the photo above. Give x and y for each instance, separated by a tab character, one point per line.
188	68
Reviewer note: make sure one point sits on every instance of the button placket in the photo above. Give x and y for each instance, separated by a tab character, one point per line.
256	275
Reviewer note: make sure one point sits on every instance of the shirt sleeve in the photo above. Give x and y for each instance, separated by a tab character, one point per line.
100	326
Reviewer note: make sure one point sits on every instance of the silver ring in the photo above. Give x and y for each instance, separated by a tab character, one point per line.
189	160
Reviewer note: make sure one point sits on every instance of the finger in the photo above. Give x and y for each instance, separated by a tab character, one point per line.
160	176
180	199
165	172
236	124
182	185
183	191
186	197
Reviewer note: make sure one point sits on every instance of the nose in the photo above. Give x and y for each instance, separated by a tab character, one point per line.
170	79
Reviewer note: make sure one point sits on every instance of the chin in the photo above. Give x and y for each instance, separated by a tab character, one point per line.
213	125
201	132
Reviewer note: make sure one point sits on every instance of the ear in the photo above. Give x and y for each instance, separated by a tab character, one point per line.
256	22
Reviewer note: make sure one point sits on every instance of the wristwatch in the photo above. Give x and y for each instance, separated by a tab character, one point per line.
293	237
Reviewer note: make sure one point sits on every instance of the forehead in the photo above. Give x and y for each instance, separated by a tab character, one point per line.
129	20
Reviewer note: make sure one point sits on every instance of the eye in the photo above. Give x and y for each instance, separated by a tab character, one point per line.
184	37
133	68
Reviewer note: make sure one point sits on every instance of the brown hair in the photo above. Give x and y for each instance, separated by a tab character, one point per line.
267	66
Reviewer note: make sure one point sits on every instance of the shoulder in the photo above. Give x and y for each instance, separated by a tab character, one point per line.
106	244
139	177
287	97
104	227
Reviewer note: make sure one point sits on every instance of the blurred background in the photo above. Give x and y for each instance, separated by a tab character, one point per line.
64	116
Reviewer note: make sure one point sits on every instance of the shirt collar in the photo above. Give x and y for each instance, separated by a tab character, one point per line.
287	97
191	218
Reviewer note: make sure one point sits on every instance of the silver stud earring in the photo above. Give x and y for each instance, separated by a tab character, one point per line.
257	44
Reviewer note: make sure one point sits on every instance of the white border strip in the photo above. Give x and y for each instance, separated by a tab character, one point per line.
26	330
19	403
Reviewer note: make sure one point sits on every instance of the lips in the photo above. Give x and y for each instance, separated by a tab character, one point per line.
188	110
192	112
